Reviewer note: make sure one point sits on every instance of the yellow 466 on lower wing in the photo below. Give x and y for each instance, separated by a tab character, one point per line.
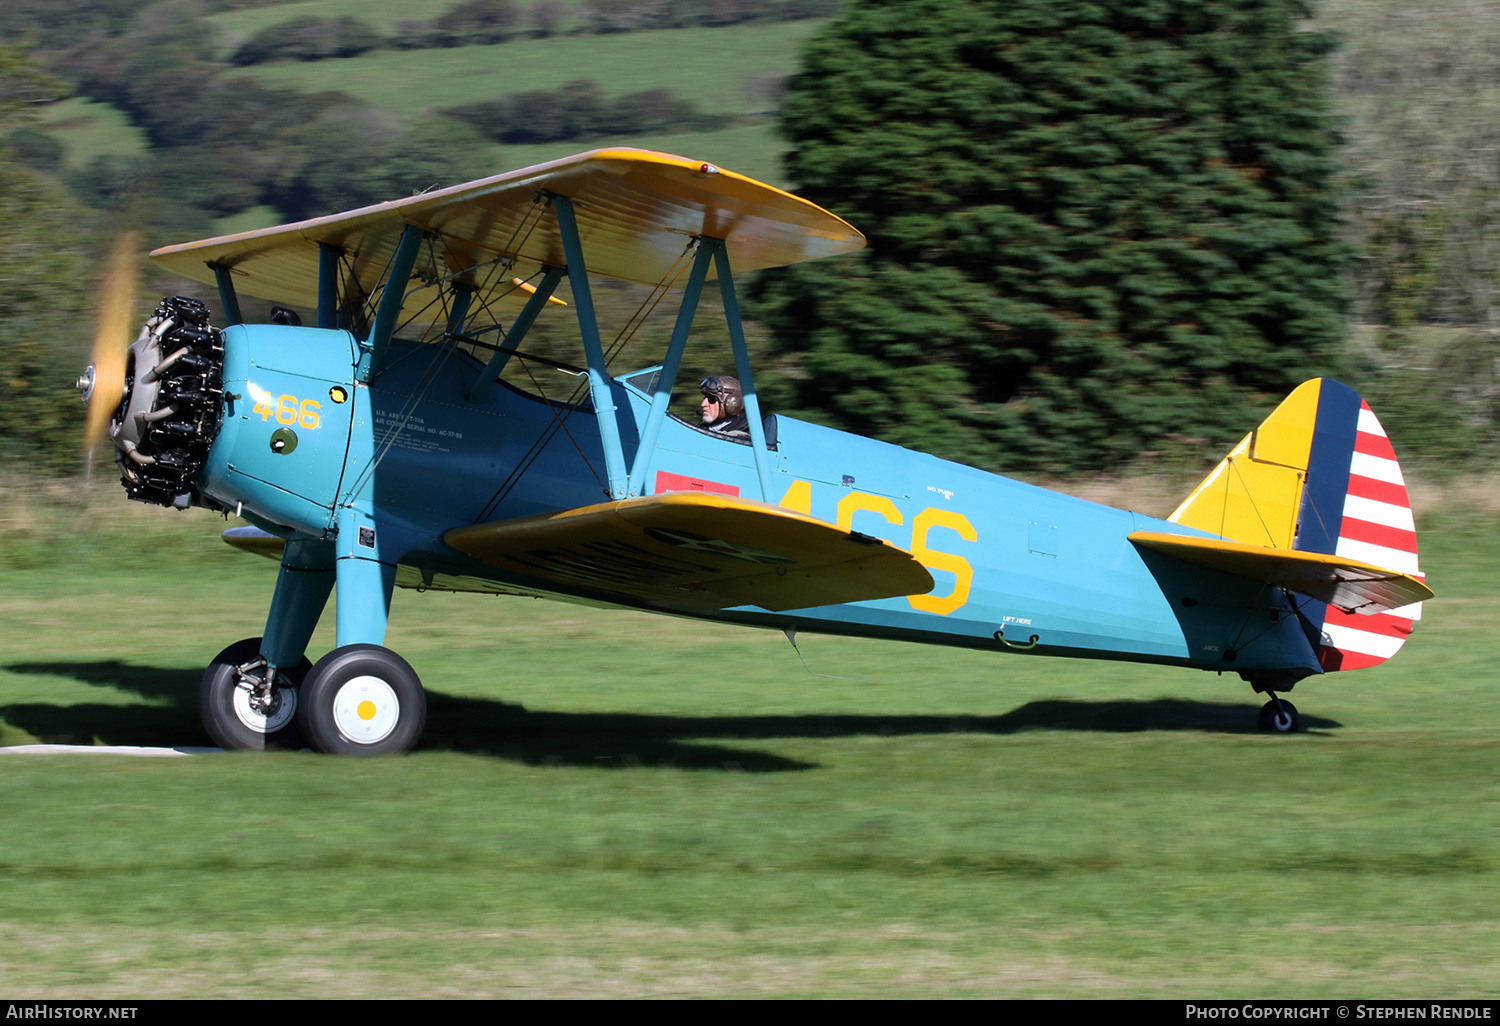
289	410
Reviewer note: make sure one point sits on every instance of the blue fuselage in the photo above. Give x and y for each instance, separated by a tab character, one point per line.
1016	567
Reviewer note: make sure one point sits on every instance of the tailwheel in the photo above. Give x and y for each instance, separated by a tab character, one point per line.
362	700
246	707
1278	716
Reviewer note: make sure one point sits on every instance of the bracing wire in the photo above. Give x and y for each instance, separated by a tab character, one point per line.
429	375
626	334
403	416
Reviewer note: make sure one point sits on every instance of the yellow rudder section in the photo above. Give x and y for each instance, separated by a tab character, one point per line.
1254	494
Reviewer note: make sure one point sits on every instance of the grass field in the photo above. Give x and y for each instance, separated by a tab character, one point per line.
707	65
88	129
234	27
610	804
713	67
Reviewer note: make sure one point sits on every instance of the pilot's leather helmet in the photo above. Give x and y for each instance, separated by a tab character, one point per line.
725	391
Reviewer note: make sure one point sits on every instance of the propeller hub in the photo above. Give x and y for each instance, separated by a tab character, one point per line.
85	384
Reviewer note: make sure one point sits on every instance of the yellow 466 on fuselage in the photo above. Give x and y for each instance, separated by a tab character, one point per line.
289	410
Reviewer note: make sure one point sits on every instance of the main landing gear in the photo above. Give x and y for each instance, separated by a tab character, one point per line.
245	705
360	700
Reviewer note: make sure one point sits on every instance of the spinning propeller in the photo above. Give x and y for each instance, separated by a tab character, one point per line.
103	382
157	398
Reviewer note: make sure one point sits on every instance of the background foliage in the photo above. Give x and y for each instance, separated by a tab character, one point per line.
41	255
1075	258
1091	226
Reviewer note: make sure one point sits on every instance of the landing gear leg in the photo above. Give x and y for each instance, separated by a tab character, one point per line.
302	590
248	698
362	699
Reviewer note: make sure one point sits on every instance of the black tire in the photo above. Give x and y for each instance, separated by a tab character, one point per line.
226	711
362	700
1285	722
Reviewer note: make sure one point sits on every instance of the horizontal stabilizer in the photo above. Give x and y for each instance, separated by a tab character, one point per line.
1344	583
697	550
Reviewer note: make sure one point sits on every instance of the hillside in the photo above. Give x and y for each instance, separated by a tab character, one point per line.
1415	89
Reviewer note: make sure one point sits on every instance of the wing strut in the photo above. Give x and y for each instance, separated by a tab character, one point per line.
328	285
518	329
461	296
707	249
588	327
742	364
402	261
227	298
668	376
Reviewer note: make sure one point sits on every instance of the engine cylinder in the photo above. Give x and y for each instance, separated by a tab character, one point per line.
172	405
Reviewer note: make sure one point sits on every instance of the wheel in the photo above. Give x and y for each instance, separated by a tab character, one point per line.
1285	721
235	716
362	700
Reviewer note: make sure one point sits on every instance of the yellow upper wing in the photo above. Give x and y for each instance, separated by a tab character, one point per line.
693	550
636	211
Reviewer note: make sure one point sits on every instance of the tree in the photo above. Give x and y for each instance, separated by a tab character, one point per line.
43	290
477	22
580	110
547	17
307	38
1093	226
355	155
1419	94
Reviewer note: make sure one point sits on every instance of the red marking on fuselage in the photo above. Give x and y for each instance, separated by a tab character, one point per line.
666	482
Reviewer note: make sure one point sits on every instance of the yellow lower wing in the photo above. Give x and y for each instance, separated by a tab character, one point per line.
1346	583
697	551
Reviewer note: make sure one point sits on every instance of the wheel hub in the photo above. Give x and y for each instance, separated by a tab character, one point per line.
366	710
267	712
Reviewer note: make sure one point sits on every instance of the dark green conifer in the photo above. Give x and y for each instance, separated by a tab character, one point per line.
1094	225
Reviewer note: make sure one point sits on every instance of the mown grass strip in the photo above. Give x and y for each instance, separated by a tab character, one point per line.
613	804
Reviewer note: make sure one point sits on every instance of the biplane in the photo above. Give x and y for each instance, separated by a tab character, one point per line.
381	448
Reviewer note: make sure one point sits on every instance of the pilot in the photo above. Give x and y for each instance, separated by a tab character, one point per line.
723	407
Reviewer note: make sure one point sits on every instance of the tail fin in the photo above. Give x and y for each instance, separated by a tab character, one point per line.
1319	475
